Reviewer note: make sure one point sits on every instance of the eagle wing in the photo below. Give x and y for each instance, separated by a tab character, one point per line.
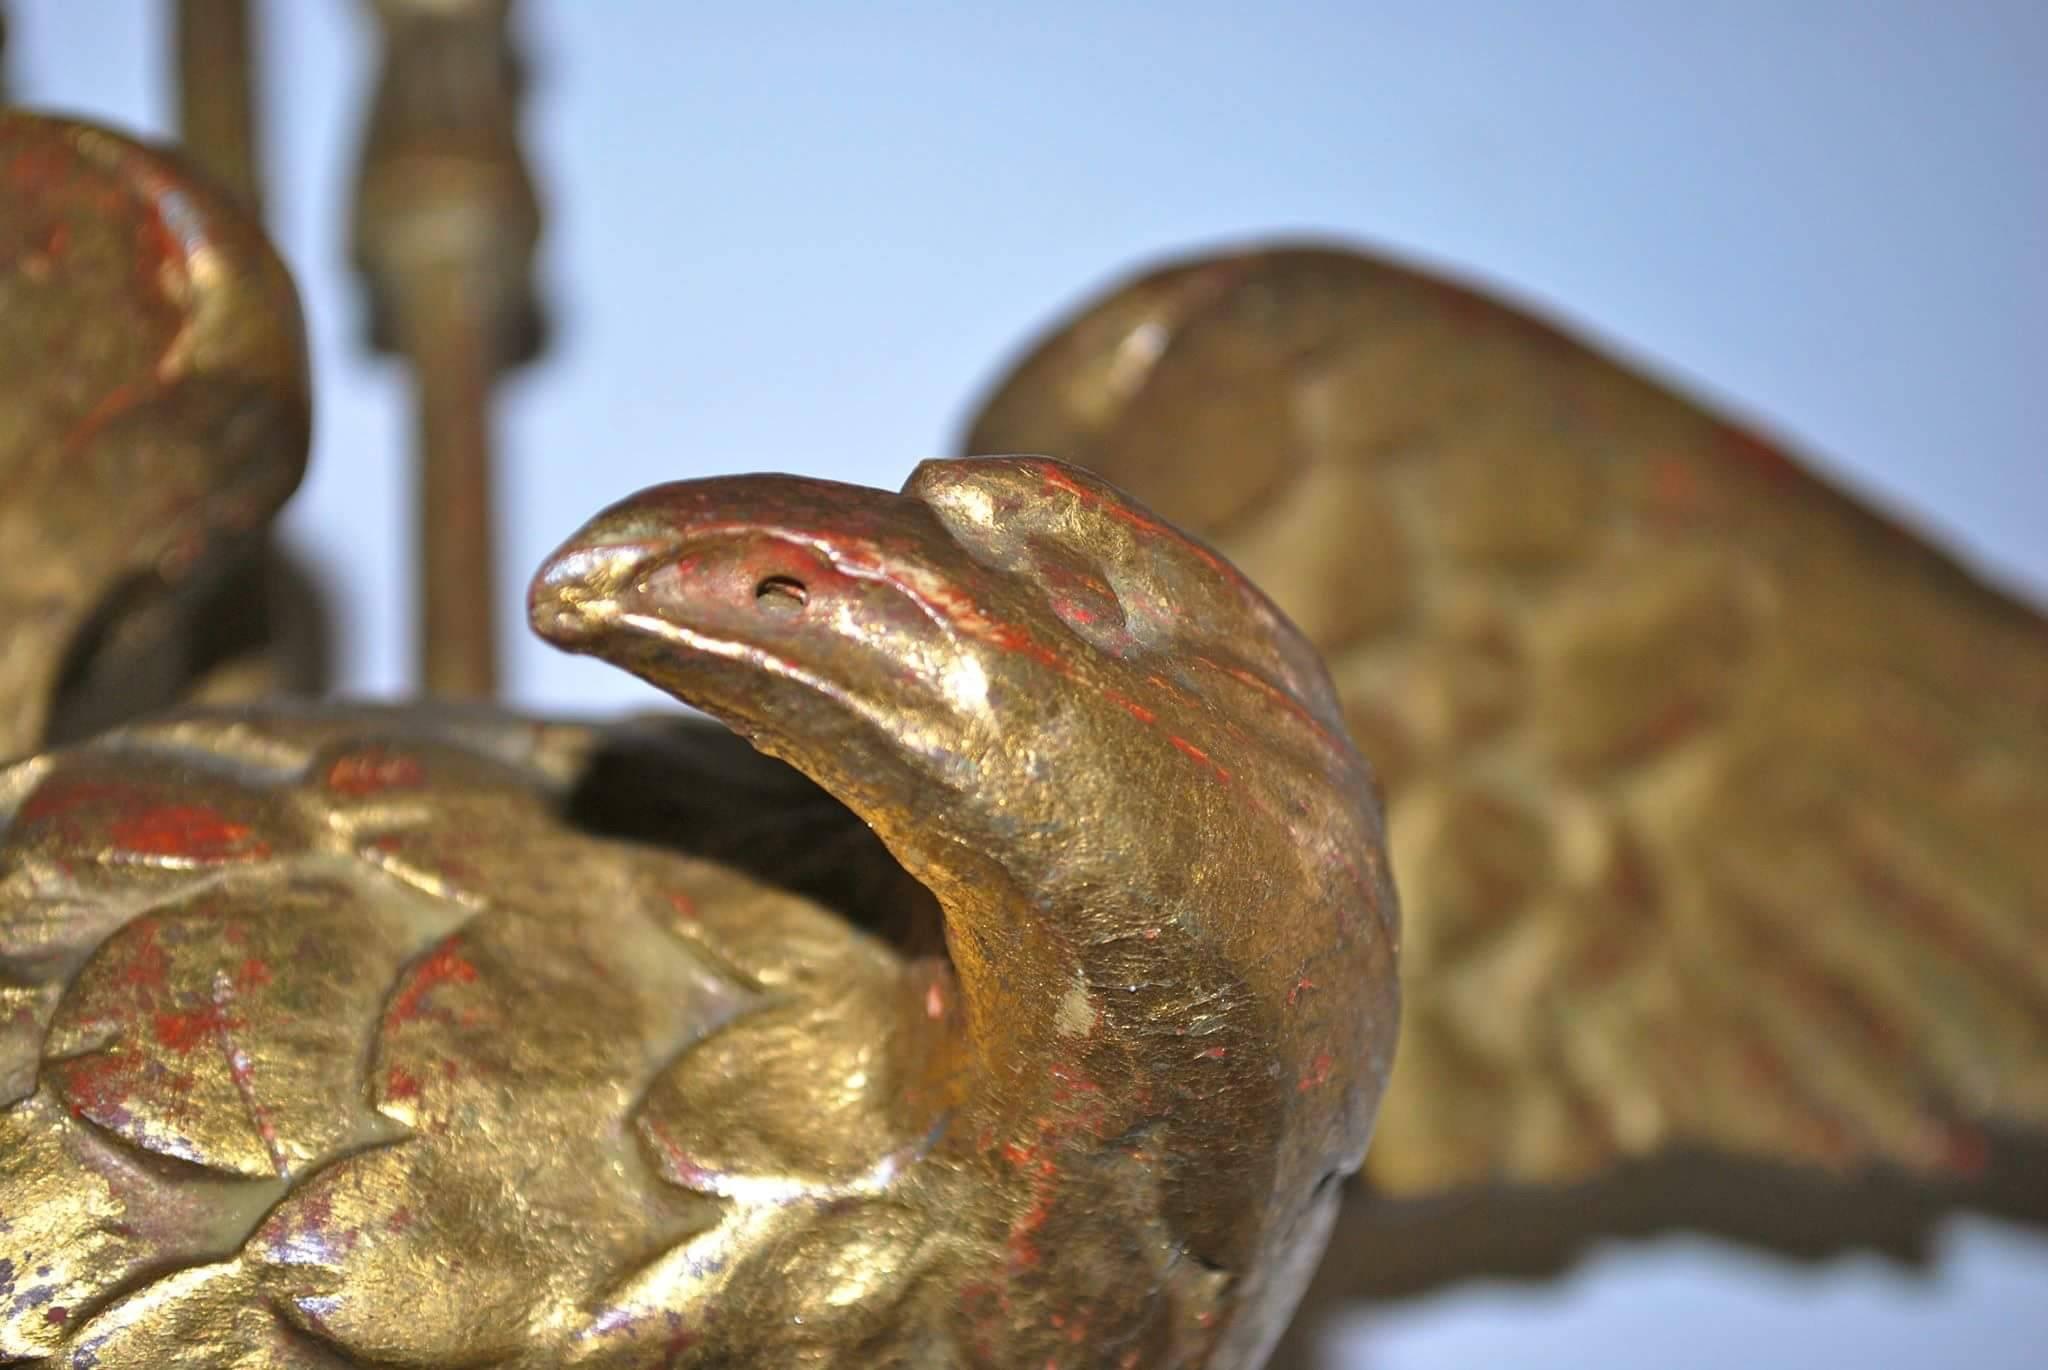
1719	803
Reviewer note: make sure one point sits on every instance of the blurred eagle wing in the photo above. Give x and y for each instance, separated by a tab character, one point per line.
1719	804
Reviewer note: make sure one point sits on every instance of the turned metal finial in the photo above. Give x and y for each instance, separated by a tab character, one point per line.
446	223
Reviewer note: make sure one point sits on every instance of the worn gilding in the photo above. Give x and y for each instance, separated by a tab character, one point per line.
153	414
1033	1013
1715	798
335	1005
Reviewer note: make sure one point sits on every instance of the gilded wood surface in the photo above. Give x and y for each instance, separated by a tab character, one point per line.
153	410
336	1037
1715	799
1037	1026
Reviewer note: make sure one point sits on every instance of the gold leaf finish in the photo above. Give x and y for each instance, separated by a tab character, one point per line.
153	409
362	1037
1715	799
1025	998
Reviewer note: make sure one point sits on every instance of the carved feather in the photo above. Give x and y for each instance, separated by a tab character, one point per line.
1718	801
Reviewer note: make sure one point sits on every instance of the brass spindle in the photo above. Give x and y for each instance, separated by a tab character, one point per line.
216	81
446	223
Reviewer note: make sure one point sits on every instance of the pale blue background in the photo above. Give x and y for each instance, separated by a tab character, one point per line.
798	236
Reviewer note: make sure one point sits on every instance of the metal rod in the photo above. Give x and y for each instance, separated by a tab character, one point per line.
446	222
447	338
216	81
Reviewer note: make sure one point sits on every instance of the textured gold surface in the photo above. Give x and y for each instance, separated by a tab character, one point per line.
352	1038
1037	1026
1716	801
1123	776
153	408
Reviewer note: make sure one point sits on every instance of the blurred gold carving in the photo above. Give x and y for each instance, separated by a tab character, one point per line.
153	416
1715	798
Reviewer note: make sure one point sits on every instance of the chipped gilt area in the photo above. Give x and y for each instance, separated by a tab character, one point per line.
274	1030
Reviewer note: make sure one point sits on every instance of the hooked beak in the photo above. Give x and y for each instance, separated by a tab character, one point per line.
801	577
578	595
591	582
